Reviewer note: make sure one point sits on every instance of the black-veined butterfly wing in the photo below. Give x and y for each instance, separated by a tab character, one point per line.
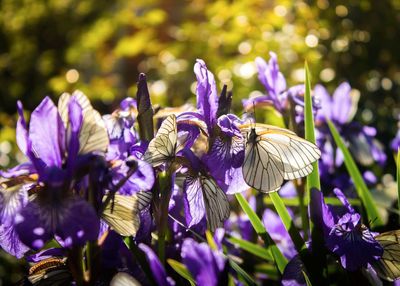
273	155
124	279
388	266
122	213
163	147
215	202
93	134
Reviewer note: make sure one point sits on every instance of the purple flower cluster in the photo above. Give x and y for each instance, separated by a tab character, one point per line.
101	199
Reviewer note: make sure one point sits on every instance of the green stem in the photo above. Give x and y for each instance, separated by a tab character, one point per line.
164	179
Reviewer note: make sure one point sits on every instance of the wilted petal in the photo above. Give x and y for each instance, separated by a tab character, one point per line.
342	103
10	242
47	133
156	267
207	98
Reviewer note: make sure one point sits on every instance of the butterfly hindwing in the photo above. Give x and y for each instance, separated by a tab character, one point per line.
388	266
163	147
274	154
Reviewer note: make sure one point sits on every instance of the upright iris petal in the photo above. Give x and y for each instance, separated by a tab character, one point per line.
206	92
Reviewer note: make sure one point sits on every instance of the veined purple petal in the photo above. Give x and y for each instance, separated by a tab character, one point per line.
237	183
128	103
19	170
342	103
343	200
10	242
45	254
11	201
207	97
194	201
156	267
47	133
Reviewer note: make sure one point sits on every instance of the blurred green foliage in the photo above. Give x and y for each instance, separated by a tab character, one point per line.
100	46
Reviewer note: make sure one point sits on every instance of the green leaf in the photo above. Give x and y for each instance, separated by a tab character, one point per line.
355	174
211	241
242	273
253	248
294	202
308	282
181	270
288	222
267	269
312	179
258	226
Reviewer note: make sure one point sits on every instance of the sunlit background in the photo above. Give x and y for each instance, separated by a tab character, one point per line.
100	46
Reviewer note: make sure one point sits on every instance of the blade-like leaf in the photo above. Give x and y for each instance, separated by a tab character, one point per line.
294	202
258	226
181	270
211	241
312	179
288	222
253	248
239	270
356	176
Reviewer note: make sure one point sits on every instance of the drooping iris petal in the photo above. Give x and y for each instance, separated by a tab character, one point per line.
10	242
79	223
353	242
206	266
206	91
73	220
47	133
194	202
32	226
19	170
11	201
156	267
342	103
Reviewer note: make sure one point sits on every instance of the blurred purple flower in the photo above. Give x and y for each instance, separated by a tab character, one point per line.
345	235
395	143
208	267
279	234
156	267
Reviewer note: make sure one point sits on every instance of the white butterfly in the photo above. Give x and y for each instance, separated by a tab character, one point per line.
275	154
122	213
163	147
93	134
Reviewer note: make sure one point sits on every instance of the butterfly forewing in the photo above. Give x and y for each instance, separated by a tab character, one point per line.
163	147
388	266
273	155
216	203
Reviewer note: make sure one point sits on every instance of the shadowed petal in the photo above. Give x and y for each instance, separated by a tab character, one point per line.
10	242
194	201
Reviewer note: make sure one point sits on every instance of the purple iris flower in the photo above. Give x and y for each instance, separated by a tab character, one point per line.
52	147
345	235
395	143
226	149
207	266
278	95
340	109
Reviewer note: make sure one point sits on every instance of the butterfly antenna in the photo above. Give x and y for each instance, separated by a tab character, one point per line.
188	229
